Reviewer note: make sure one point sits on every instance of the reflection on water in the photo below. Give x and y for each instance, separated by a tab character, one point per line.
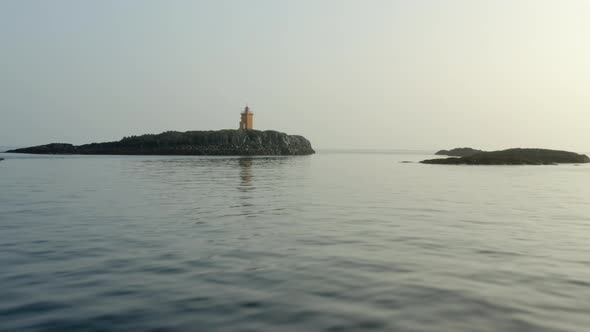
246	173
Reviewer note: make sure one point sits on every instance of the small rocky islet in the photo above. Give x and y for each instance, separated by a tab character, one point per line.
228	142
517	156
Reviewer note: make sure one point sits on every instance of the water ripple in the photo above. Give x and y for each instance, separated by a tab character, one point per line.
332	242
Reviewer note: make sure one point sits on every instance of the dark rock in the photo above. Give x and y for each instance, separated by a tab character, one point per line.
221	142
53	148
458	152
515	157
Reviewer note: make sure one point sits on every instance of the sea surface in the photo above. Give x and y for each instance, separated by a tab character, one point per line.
337	241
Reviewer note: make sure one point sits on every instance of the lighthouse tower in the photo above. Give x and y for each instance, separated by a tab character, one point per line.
246	121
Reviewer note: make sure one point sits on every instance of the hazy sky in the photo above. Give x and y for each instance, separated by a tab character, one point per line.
415	74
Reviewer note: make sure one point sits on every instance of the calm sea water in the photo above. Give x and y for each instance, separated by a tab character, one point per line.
330	242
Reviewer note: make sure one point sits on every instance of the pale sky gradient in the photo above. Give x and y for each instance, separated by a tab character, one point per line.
414	74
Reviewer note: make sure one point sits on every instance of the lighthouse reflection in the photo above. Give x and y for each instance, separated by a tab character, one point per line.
246	174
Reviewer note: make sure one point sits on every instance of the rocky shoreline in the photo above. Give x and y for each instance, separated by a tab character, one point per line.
221	142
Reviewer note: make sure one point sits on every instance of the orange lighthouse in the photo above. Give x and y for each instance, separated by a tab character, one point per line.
246	121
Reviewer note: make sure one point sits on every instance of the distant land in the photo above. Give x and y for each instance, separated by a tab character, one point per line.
227	142
515	157
458	152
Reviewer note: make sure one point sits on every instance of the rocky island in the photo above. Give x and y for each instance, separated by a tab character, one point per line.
515	157
228	142
458	152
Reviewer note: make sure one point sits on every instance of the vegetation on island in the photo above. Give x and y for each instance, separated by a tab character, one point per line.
220	142
515	157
